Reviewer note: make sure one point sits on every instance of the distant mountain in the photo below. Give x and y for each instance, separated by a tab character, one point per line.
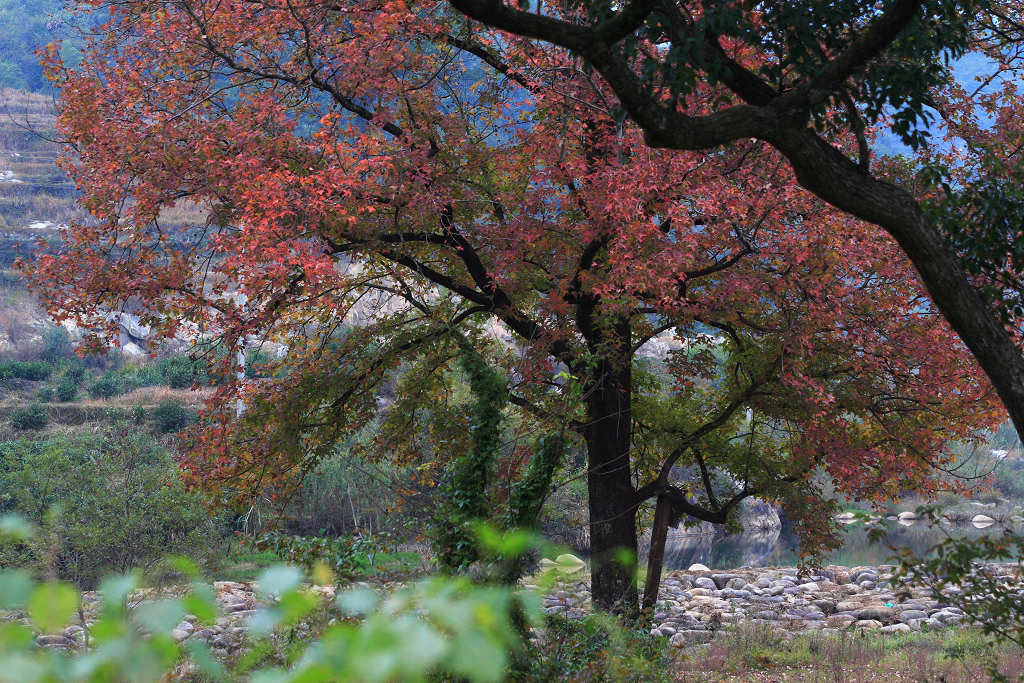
967	70
26	26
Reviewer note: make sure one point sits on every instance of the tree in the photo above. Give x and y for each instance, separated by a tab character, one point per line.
783	68
385	186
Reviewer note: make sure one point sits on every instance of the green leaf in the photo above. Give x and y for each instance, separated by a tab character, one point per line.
563	564
270	676
15	587
116	589
162	616
478	658
15	636
201	655
51	605
185	566
201	603
278	580
296	605
264	621
357	602
14	528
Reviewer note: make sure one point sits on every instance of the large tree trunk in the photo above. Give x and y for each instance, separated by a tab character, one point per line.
613	540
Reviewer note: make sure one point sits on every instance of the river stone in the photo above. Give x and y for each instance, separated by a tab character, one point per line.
54	641
180	634
763	582
737	583
868	623
896	628
722	579
826	606
877	613
684	638
706	583
909	615
698	568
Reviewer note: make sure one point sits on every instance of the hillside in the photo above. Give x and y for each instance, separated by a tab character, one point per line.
35	195
28	25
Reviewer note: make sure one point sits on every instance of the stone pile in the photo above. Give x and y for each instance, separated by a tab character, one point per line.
694	605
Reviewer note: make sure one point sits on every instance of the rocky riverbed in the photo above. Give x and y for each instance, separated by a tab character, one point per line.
696	604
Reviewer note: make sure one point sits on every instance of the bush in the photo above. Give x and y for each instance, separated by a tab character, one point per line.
347	557
106	503
596	648
171	416
138	414
106	386
67	390
180	372
146	376
56	344
30	417
34	371
74	371
257	364
45	395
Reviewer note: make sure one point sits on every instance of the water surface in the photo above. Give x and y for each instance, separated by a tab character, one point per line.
778	547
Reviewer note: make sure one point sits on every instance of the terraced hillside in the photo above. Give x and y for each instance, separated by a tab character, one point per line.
35	195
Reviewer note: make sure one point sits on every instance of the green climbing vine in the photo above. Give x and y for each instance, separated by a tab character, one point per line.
464	491
465	487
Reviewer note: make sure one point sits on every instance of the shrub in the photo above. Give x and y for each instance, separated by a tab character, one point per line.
106	386
30	417
34	371
348	557
138	414
596	648
180	372
147	376
106	503
56	344
67	390
74	371
45	395
171	416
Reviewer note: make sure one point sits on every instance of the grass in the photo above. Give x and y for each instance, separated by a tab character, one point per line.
758	652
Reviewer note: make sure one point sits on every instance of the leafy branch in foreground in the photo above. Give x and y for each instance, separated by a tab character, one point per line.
434	626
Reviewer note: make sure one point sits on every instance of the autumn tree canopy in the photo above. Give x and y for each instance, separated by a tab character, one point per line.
386	184
787	67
